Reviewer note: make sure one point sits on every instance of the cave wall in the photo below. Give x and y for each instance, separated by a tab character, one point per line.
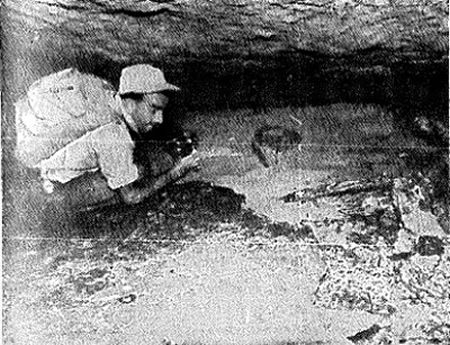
290	43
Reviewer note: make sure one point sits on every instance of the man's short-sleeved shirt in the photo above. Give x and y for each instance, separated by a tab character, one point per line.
108	149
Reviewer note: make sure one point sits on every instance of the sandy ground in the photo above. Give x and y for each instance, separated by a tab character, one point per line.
223	281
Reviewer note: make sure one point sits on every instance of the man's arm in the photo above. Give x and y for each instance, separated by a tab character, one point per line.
139	190
114	148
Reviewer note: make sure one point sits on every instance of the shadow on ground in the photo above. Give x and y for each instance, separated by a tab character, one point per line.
178	213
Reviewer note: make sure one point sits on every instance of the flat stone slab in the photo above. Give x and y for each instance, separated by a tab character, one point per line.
221	288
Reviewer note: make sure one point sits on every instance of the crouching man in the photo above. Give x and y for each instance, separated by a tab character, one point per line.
81	135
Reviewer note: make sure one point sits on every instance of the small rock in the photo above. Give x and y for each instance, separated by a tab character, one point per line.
404	243
422	223
127	299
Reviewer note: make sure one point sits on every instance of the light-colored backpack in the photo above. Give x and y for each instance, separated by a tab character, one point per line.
59	109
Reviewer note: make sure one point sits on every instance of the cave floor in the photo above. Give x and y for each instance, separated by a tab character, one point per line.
272	272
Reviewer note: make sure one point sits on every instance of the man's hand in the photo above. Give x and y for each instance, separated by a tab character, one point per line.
137	191
187	164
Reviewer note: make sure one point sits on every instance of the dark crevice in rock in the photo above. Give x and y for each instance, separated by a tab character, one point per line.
137	13
72	7
136	9
401	256
365	335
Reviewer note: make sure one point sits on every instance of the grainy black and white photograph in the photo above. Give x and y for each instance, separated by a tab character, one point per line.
202	172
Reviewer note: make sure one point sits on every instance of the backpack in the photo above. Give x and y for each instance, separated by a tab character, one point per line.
59	109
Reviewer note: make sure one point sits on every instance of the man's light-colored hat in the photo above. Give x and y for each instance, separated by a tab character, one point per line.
143	79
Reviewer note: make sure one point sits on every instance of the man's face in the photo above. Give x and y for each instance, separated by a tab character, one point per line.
149	112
